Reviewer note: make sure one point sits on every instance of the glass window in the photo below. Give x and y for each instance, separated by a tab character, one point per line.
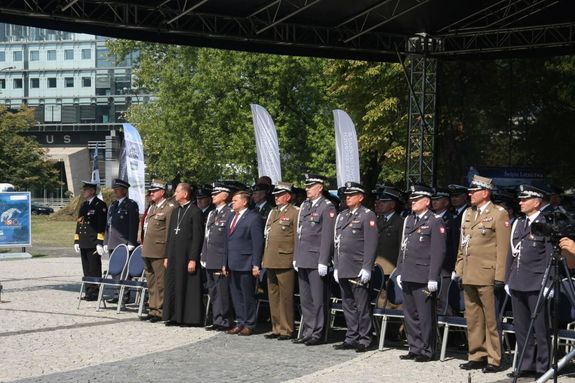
34	55
2	56
86	54
2	83
17	55
34	83
17	83
51	55
68	54
52	82
69	82
86	82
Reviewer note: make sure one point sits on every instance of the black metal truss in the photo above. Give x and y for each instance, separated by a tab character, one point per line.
276	26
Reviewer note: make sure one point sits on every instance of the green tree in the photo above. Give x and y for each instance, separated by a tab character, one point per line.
23	162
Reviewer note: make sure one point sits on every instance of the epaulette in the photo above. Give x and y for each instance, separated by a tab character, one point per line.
500	208
328	202
171	204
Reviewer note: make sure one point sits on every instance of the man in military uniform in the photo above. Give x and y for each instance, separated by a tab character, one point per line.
480	264
526	263
212	258
204	201
458	198
418	273
123	221
154	247
440	205
260	201
355	251
89	236
313	254
280	232
389	227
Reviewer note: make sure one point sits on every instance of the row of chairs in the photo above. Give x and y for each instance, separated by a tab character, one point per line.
125	272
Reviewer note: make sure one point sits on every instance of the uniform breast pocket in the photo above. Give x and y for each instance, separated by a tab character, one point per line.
160	221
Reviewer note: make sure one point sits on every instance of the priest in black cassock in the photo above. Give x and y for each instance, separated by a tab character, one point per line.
183	290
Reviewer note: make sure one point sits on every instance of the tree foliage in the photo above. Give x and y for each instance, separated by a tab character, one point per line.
22	160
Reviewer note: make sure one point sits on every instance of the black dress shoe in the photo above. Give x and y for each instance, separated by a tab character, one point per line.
284	337
408	356
112	300
146	317
313	342
522	374
171	323
472	365
272	336
490	368
422	358
345	346
300	340
213	327
361	348
155	319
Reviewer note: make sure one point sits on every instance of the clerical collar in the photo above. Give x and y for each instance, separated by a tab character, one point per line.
261	204
121	200
314	201
389	215
186	204
533	216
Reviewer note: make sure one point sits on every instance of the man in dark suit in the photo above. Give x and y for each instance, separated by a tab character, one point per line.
418	269
242	259
312	256
389	226
212	258
204	200
440	205
459	202
261	205
526	264
89	236
355	248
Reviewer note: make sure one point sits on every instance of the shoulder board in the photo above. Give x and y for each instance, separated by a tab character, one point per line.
328	202
366	210
295	207
171	204
499	208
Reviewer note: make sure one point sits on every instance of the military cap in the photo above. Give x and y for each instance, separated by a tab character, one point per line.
480	183
529	191
260	187
204	191
236	186
389	194
418	191
311	179
340	192
353	188
157	184
457	189
282	187
219	187
120	183
89	184
439	193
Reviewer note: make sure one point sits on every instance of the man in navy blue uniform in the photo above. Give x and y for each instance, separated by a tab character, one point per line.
242	259
418	273
355	251
526	264
312	256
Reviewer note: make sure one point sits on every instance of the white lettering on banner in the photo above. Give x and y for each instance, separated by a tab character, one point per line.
346	149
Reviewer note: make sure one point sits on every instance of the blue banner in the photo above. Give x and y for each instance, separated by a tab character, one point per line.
15	226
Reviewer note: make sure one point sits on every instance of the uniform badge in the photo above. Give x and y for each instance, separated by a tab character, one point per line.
506	223
331	214
487	219
442	230
372	223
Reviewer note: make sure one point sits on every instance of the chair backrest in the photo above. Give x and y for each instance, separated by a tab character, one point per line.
136	263
375	283
393	295
118	261
455	298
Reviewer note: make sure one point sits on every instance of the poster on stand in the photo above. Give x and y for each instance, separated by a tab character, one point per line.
15	225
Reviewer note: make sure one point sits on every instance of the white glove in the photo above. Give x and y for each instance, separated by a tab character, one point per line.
432	286
203	263
454	276
76	248
131	247
398	279
335	276
99	249
364	276
551	293
106	249
294	266
322	270
506	288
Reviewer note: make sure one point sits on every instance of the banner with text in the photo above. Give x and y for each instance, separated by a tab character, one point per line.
134	165
346	150
267	147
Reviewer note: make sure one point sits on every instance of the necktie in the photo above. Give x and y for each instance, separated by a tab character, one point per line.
416	219
526	227
233	226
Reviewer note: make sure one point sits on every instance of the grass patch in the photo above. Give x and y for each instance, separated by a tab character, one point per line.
52	233
39	255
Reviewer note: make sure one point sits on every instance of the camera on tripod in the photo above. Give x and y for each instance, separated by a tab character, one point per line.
557	225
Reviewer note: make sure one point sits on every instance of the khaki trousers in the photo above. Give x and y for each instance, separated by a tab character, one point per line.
482	333
155	271
280	295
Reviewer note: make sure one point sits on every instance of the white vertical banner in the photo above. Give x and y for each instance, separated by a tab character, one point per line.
267	146
346	150
134	151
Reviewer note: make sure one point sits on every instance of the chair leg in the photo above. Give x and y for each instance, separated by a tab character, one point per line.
208	307
515	356
141	305
444	342
80	296
100	296
300	329
120	299
382	333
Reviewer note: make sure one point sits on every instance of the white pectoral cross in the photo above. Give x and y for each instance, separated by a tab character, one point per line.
177	230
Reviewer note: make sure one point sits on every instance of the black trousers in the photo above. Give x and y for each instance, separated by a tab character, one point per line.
420	318
313	291
91	267
219	291
537	353
243	289
357	312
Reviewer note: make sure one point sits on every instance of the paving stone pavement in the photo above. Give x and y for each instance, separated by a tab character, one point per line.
44	338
